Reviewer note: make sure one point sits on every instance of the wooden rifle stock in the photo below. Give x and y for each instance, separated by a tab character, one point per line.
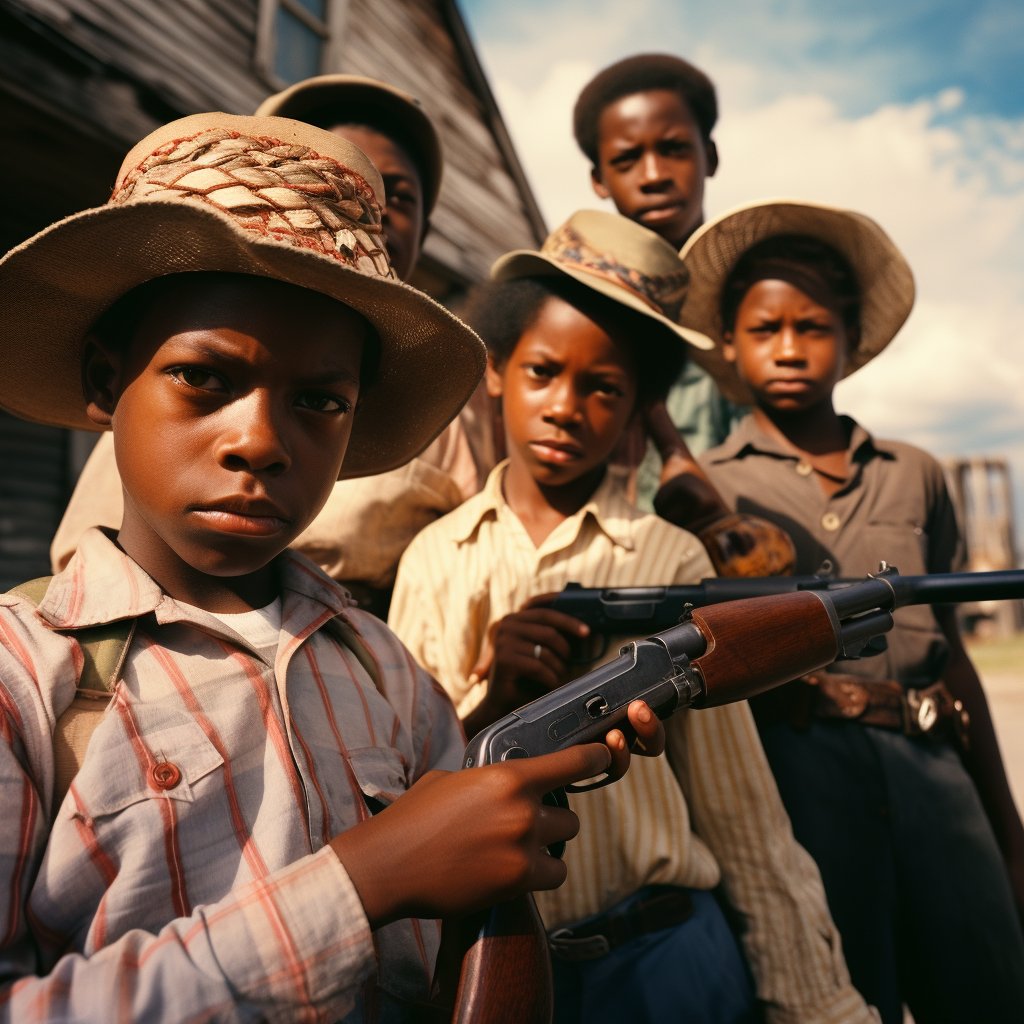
760	642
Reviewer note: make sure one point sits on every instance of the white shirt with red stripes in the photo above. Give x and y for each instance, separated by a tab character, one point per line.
186	875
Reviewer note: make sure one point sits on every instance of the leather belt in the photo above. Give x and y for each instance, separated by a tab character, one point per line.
598	936
881	703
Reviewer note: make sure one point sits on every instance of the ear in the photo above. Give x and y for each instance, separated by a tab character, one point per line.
100	371
728	348
598	185
711	156
495	383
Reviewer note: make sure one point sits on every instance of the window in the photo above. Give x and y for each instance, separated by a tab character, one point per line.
295	37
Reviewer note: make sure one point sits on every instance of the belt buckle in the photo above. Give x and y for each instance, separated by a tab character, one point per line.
565	947
924	711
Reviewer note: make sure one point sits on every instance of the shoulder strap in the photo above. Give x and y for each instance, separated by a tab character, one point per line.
104	649
357	645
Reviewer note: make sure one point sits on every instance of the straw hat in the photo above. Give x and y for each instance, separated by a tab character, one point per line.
884	276
376	104
616	257
253	195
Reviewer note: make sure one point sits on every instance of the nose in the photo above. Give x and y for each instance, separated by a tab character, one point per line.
252	439
789	348
652	173
562	408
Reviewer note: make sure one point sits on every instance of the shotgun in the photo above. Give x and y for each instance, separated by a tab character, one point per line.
718	654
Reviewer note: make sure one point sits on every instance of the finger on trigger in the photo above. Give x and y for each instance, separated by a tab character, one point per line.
574	764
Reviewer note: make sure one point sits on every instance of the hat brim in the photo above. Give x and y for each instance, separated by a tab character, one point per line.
526	263
883	274
54	286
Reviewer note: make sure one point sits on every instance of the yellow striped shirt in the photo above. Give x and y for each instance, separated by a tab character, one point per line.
707	810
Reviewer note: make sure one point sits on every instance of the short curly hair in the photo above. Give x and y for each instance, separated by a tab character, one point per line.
501	312
642	74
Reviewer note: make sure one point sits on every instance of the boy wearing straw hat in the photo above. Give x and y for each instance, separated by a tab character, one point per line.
580	335
218	778
887	765
366	524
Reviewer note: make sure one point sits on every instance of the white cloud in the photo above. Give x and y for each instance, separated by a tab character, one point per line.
949	191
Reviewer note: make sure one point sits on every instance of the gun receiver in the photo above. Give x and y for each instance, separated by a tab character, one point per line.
728	650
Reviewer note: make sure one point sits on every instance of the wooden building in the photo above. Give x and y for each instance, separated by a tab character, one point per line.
82	80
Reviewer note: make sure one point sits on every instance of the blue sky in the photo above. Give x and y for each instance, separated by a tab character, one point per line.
911	111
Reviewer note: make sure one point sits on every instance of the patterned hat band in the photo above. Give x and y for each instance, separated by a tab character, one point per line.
663	293
285	192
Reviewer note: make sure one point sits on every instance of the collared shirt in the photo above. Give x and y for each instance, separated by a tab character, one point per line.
893	506
360	532
706	811
205	890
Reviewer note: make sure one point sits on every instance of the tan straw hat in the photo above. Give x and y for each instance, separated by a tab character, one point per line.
341	99
265	196
616	257
711	254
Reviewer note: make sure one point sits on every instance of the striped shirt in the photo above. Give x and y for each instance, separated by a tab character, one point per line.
706	811
186	875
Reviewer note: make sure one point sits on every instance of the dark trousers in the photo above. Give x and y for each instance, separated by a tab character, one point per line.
693	972
914	877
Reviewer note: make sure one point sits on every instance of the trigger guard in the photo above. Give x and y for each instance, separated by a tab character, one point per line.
605	780
556	798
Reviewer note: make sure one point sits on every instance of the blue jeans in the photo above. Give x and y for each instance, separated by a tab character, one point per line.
693	972
913	874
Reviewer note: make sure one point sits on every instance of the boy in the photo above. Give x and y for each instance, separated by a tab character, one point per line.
797	296
645	124
233	317
366	524
580	335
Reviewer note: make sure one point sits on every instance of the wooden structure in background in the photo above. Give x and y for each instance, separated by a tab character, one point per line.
983	497
81	81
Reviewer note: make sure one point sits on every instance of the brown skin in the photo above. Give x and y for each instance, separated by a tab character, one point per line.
405	219
652	162
791	352
229	437
568	391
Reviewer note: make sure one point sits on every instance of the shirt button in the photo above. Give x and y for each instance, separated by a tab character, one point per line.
830	521
164	775
804	468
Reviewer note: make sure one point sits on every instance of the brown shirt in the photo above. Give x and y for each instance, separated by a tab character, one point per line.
893	506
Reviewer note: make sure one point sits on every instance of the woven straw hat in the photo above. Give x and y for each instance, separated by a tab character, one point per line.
252	195
885	279
616	257
370	102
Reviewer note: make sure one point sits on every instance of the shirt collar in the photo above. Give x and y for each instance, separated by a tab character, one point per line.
102	584
607	505
749	438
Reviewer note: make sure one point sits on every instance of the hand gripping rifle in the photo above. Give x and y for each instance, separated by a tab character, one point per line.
719	653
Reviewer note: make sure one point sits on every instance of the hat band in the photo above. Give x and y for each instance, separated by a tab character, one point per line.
663	293
285	192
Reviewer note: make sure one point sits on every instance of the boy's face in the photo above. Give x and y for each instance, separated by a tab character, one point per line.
789	350
404	219
567	392
232	409
652	162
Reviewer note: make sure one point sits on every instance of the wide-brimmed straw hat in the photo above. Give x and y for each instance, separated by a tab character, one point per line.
884	277
265	196
616	257
358	100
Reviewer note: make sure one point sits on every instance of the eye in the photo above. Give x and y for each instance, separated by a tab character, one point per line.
538	371
199	378
608	388
320	401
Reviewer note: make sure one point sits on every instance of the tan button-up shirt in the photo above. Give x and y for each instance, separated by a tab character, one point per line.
893	506
707	810
186	874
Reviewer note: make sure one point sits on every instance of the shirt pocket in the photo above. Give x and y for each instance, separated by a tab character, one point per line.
380	772
120	767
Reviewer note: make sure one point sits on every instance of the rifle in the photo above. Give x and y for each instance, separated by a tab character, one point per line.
718	654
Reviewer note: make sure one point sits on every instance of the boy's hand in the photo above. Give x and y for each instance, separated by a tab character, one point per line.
456	842
525	654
